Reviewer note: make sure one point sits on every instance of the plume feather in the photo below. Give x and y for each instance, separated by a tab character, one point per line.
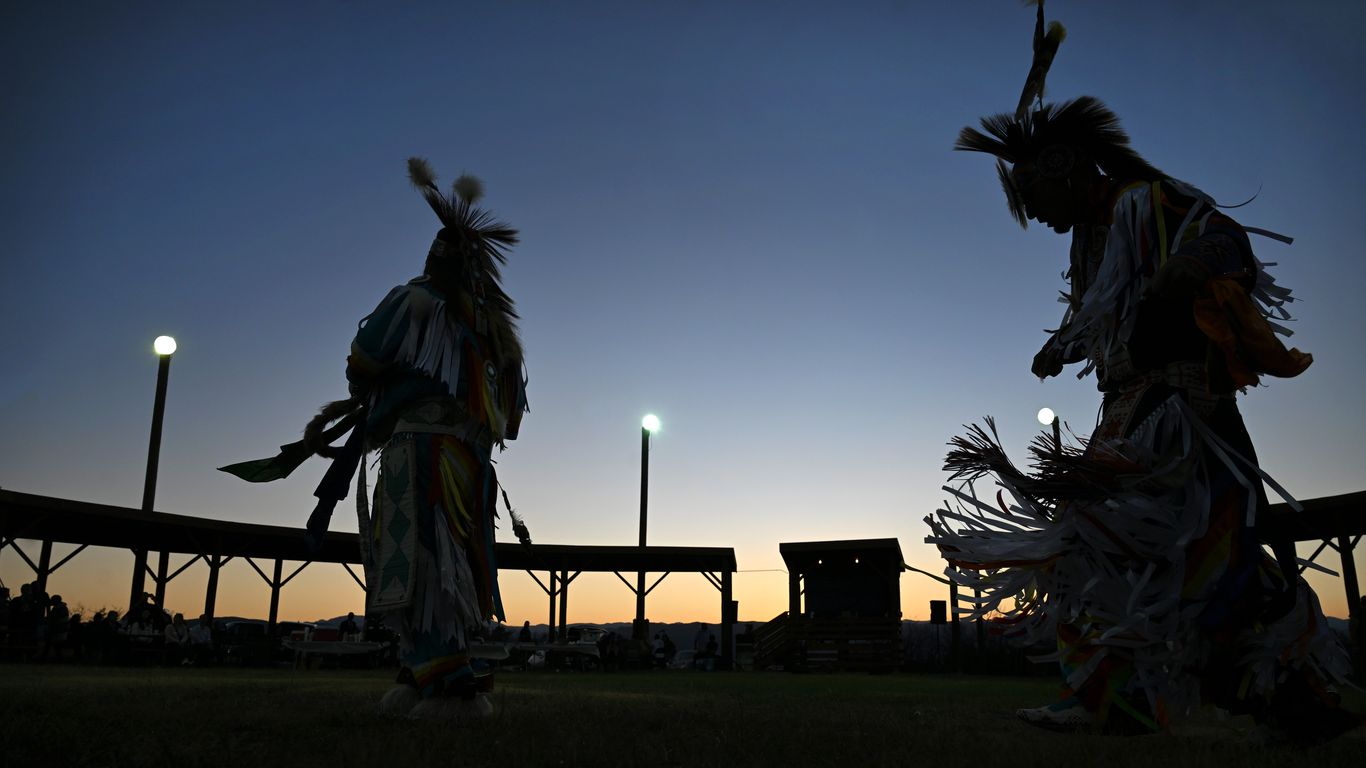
420	173
468	189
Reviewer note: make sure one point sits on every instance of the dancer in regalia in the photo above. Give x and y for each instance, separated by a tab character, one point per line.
1137	551
436	381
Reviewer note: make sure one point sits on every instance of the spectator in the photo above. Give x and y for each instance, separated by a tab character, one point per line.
201	640
22	613
699	640
605	645
33	618
57	623
75	637
140	635
111	639
348	629
524	636
657	650
38	602
177	635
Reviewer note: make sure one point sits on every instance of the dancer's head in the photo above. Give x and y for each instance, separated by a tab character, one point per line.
1051	157
1050	160
471	245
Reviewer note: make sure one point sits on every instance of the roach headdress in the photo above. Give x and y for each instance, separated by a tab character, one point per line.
1057	138
471	243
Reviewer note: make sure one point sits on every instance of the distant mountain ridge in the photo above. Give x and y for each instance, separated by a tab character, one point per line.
678	630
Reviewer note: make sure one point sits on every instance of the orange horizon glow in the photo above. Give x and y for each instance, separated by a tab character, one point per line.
100	579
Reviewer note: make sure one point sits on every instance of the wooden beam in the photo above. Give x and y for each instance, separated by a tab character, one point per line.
981	626
652	586
15	543
543	587
550	623
296	572
354	577
628	584
1349	575
211	592
955	631
44	565
64	560
564	599
727	624
163	565
139	585
1322	546
258	570
182	568
274	598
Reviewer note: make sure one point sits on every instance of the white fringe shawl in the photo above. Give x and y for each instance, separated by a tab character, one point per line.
1117	563
1103	321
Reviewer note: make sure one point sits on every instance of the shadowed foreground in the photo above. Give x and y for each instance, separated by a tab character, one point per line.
101	716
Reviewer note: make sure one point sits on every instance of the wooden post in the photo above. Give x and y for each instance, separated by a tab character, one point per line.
550	624
1349	576
274	598
981	628
955	631
163	563
44	565
149	485
564	599
211	593
894	577
727	625
639	630
139	587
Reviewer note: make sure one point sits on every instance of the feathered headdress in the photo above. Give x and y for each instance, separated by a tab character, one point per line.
1056	137
1046	44
472	243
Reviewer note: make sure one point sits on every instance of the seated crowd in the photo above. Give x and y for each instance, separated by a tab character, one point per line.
35	626
38	627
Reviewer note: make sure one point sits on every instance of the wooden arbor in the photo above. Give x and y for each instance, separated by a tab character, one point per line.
1335	522
844	607
564	562
215	542
50	520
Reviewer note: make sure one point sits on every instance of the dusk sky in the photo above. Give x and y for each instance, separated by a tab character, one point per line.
744	217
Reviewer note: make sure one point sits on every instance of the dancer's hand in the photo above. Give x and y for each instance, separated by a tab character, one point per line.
1048	362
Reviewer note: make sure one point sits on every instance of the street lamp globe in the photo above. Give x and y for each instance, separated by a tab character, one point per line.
1046	416
650	423
164	345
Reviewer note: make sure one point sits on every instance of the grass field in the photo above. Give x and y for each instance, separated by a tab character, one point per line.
79	716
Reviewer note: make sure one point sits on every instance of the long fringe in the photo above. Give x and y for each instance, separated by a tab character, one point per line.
1097	537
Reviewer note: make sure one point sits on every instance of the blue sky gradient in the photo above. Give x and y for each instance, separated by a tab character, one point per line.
744	217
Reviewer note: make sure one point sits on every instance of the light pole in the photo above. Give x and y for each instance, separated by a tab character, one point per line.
1048	418
648	426
164	346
